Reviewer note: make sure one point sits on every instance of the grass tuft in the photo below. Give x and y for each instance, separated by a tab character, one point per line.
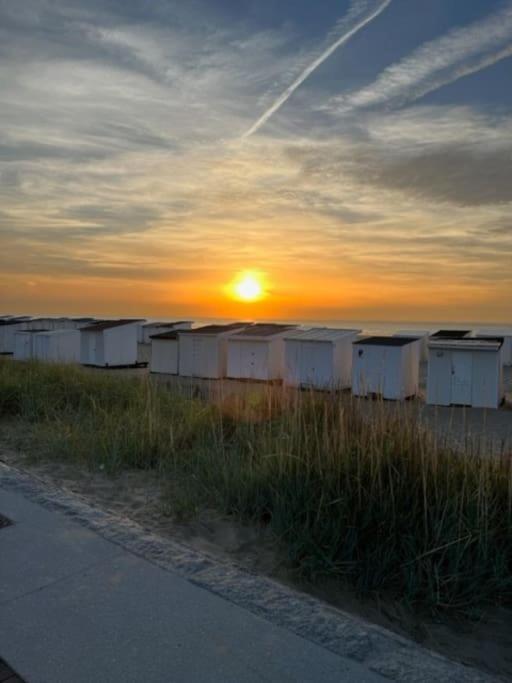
366	496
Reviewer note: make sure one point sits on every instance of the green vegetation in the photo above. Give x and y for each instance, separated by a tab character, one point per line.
367	496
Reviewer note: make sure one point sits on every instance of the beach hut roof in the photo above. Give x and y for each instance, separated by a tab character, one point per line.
264	330
321	334
215	329
468	344
386	341
162	323
12	321
171	334
451	334
62	330
35	331
108	324
48	317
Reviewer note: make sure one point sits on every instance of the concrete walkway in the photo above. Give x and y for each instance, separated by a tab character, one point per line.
84	599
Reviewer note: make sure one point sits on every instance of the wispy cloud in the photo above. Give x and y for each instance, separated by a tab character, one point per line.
122	161
444	60
348	29
459	72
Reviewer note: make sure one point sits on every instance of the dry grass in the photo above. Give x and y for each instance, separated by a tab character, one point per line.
367	496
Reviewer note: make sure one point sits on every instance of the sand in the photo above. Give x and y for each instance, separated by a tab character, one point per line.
141	496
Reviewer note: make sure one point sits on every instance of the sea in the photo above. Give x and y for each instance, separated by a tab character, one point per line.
380	327
369	327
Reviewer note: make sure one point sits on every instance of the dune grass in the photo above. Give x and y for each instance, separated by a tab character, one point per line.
368	497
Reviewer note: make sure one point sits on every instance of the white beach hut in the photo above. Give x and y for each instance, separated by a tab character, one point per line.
154	328
387	366
422	336
151	329
24	344
109	343
57	346
258	352
165	353
320	358
203	351
140	330
465	372
506	335
8	329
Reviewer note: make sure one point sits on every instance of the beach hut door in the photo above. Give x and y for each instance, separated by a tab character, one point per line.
93	356
317	370
462	368
258	368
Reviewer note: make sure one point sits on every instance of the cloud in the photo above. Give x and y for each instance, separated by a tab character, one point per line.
449	76
437	126
34	151
445	154
443	60
463	176
122	160
81	72
348	28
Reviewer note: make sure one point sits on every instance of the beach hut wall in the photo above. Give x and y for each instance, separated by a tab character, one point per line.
506	334
109	343
165	353
319	358
203	351
422	336
258	352
57	346
465	372
385	366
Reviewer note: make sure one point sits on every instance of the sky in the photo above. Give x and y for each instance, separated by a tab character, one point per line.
356	155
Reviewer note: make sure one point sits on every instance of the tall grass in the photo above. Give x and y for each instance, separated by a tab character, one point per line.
365	495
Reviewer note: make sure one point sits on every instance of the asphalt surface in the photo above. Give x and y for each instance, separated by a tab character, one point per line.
75	607
90	597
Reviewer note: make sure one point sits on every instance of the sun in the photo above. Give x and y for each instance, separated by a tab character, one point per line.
248	287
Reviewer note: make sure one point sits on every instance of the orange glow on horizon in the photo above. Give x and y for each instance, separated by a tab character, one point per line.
286	294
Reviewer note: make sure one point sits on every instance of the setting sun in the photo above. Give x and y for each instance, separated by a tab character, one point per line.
248	288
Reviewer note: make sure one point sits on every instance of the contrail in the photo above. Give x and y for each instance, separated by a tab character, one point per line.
313	66
434	62
484	63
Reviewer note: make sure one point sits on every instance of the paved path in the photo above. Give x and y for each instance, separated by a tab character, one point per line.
86	598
